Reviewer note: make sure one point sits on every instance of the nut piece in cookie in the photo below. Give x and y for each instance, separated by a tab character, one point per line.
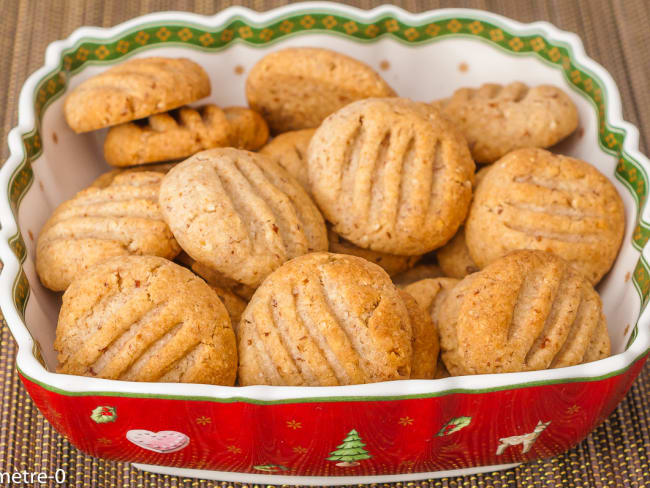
296	88
325	319
98	223
290	152
392	263
143	318
133	90
240	213
529	310
496	119
392	175
182	132
534	199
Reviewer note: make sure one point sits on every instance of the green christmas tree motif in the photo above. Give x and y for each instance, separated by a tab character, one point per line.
349	451
454	425
104	414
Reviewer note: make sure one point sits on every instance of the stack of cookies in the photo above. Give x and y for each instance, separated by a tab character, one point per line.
359	245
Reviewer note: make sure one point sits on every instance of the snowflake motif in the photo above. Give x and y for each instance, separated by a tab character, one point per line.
104	441
163	34
411	34
51	86
266	35
122	47
141	38
206	39
184	34
475	27
351	27
300	450
588	84
293	424
405	421
329	22
233	449
67	63
454	25
245	32
611	142
101	52
203	420
516	44
554	54
573	409
286	26
307	22
391	25
575	76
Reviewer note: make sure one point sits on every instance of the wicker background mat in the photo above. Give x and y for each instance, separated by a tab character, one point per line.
614	33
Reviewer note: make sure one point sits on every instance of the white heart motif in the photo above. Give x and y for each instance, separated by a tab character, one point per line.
165	441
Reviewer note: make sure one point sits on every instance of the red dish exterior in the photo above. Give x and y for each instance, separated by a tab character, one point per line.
393	436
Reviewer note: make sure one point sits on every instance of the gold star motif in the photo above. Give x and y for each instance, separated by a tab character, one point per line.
300	450
234	449
405	421
292	424
203	420
573	409
104	441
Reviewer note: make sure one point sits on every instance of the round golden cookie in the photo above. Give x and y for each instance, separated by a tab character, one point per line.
454	258
105	179
234	304
99	223
416	273
325	319
134	89
392	263
217	279
424	342
534	199
296	88
290	152
143	318
182	132
529	310
392	175
496	119
240	213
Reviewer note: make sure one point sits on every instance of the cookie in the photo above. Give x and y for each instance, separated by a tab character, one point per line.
534	199
218	280
429	293
105	179
240	213
180	133
424	342
290	151
234	304
496	119
529	310
392	175
325	319
143	318
392	263
419	272
99	223
133	90
296	88
454	258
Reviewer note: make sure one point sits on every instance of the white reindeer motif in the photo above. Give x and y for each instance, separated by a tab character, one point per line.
526	439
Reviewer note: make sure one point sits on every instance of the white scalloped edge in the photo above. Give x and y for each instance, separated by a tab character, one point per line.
30	366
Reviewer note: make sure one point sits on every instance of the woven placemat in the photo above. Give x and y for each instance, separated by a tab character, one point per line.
614	33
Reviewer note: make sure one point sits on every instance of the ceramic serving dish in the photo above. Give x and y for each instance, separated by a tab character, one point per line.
353	434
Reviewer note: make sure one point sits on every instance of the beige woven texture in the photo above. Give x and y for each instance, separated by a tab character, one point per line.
614	33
